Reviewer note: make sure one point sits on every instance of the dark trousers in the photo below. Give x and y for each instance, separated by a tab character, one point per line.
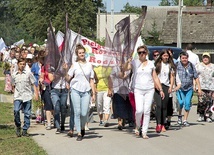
161	109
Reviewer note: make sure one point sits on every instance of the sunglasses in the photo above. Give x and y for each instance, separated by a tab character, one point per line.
141	52
156	55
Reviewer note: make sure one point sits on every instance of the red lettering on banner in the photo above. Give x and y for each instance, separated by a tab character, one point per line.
99	61
92	59
95	51
84	41
105	62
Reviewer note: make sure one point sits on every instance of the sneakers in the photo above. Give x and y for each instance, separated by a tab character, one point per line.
101	123
186	124
18	132
58	131
179	120
48	127
25	134
209	120
79	138
86	128
199	119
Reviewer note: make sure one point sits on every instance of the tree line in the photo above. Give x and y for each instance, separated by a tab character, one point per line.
29	19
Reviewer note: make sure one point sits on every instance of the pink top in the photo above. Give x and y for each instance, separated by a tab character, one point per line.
45	72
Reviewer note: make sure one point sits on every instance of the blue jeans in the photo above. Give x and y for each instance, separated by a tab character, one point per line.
80	101
18	105
71	124
59	99
184	99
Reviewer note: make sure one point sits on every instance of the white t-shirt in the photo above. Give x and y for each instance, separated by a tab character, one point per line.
61	84
164	74
79	82
142	75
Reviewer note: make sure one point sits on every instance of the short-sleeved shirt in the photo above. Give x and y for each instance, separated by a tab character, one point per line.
81	77
186	75
142	75
23	85
206	76
103	73
35	69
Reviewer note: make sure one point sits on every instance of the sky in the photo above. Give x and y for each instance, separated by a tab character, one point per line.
118	4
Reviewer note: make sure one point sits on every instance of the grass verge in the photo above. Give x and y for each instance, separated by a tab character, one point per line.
9	143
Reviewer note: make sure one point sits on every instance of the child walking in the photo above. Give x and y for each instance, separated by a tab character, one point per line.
22	82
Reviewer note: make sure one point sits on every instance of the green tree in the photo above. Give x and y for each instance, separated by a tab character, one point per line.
32	16
154	38
131	9
186	2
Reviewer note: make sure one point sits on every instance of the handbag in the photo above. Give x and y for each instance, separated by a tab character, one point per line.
91	92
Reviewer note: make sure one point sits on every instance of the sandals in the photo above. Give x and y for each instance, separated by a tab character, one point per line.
137	133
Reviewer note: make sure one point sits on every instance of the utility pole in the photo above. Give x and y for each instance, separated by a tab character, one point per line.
112	17
179	30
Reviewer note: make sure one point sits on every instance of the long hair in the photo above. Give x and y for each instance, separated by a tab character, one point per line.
159	60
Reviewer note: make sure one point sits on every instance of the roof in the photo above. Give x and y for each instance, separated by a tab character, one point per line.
197	27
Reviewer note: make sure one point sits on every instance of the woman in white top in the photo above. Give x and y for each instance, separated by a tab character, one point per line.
165	70
81	84
143	81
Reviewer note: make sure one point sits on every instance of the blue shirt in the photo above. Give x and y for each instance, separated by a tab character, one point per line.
186	75
35	69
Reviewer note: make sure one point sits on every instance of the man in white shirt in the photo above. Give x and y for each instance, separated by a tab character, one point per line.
193	58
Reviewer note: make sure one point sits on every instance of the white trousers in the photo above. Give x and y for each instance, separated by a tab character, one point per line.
103	103
143	101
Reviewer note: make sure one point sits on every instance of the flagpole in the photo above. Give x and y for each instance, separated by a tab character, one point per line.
112	18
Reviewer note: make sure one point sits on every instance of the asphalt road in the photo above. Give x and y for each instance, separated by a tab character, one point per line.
198	139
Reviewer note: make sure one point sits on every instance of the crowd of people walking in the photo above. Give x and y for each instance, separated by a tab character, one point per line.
130	90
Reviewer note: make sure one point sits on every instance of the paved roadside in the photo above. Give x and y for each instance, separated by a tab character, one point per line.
196	139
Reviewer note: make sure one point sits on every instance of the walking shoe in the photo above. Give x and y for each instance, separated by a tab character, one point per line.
62	128
106	124
209	120
70	133
83	132
18	132
79	138
200	118
120	127
48	127
101	123
186	124
167	125
86	128
58	131
24	133
179	120
158	128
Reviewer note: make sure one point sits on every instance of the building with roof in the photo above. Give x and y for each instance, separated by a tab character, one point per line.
197	23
